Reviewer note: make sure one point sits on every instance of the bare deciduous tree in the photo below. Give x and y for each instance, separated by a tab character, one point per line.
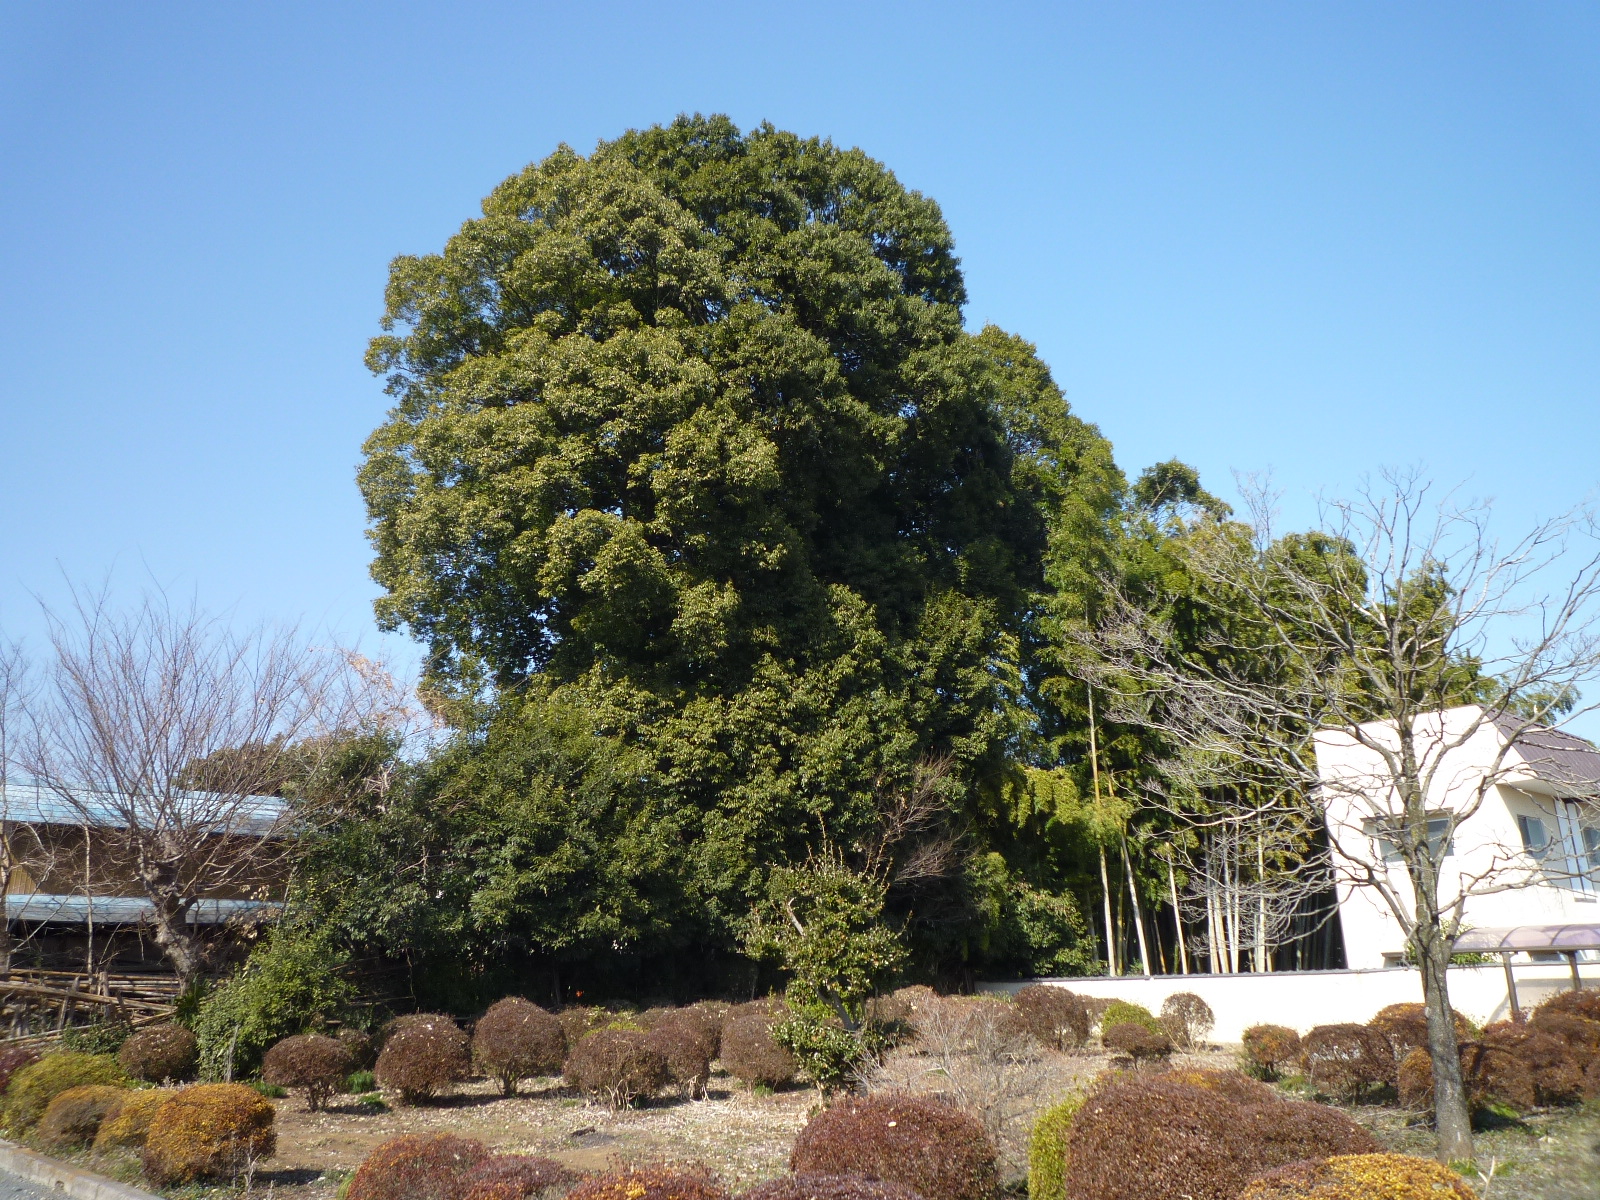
1400	607
171	736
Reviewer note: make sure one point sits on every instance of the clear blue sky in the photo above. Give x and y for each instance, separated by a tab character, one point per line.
1314	238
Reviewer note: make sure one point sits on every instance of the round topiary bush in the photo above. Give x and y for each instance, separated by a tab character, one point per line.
1234	1086
688	1041
750	1053
1141	1045
1047	1150
516	1040
649	1183
423	1057
514	1177
160	1054
1580	1033
1405	1027
12	1060
34	1086
208	1131
363	1048
1492	1075
72	1119
1187	1020
1120	1012
828	1187
1269	1048
310	1063
1389	1176
418	1166
939	1152
128	1121
1580	1002
1140	1136
1053	1016
617	1067
1556	1070
1345	1060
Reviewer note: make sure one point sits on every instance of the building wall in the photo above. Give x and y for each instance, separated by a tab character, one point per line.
1303	999
1489	844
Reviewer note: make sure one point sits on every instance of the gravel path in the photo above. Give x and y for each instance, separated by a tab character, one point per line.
12	1188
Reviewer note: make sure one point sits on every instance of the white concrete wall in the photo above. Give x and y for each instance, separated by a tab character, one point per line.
1487	847
1303	999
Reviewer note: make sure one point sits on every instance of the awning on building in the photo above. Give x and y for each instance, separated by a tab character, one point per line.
45	908
1562	938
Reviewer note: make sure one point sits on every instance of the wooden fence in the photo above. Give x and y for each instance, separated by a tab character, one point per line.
36	1006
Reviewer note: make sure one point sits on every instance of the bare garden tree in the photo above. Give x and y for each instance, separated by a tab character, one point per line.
171	736
1401	606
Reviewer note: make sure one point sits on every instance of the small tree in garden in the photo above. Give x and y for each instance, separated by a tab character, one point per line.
1398	609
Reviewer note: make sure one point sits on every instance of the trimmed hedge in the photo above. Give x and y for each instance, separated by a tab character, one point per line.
688	1041
128	1122
1138	1043
418	1166
649	1183
33	1087
73	1118
208	1131
423	1055
1053	1016
1389	1176
160	1053
1268	1047
937	1151
749	1051
617	1066
311	1063
1405	1026
829	1187
1047	1150
517	1040
12	1060
1142	1137
1187	1020
1345	1060
514	1177
1121	1012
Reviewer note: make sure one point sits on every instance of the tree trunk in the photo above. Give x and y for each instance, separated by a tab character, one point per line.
1177	919
1111	929
1453	1118
185	951
1133	901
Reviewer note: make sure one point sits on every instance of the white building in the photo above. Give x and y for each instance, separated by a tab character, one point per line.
1528	857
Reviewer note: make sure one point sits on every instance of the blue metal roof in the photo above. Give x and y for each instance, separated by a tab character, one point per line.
32	803
120	910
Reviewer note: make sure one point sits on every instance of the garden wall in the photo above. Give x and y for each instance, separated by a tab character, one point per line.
1302	999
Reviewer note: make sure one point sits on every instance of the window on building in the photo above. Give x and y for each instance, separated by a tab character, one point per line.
1379	829
1535	835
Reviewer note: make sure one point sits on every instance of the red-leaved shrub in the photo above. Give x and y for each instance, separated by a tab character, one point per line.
422	1057
1346	1060
1405	1026
1143	1137
12	1060
617	1066
1234	1086
308	1062
750	1053
1187	1019
687	1039
1491	1075
73	1118
515	1177
828	1187
650	1183
518	1040
1053	1016
418	1166
160	1053
939	1152
1140	1044
1579	1002
1269	1048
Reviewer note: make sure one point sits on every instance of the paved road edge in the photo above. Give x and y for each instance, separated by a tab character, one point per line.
64	1177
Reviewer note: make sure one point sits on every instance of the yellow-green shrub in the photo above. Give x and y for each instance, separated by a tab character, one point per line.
128	1121
1361	1177
73	1117
208	1131
33	1087
1120	1012
1047	1150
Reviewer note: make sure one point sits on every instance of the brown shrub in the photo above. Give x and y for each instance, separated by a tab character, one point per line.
160	1053
939	1152
128	1121
749	1052
1138	1043
1187	1019
617	1066
208	1131
422	1057
688	1041
418	1166
828	1187
1269	1047
1580	1033
1345	1060
1053	1016
1405	1026
1234	1086
1556	1071
650	1183
363	1048
1582	1002
12	1060
1140	1137
514	1177
1591	1079
517	1040
73	1118
1361	1176
310	1063
1097	1006
578	1021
